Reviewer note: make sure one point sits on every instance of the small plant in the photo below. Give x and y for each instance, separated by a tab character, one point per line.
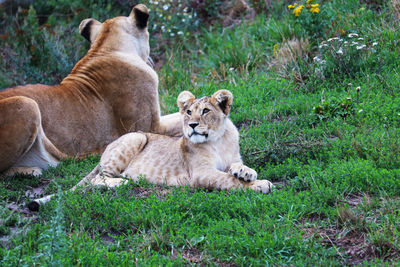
310	16
344	56
333	108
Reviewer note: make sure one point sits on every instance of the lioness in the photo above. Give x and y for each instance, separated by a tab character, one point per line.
109	92
206	156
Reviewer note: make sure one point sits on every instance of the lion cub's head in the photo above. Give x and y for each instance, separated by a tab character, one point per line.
123	34
204	118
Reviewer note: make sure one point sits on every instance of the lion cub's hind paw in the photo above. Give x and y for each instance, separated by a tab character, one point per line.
108	182
243	172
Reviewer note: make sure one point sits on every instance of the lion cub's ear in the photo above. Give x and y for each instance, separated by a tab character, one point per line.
140	16
185	99
90	28
223	99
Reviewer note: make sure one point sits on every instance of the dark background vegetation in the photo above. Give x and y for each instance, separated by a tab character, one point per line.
317	105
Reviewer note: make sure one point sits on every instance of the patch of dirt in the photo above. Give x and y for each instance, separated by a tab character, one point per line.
36	192
352	246
143	192
22	209
195	256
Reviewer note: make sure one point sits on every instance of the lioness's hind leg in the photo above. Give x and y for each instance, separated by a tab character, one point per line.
24	148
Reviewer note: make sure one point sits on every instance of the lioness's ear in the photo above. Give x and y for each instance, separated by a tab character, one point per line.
223	99
140	16
185	99
90	28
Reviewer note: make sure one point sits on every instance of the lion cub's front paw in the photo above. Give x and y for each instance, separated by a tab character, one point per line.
263	186
243	172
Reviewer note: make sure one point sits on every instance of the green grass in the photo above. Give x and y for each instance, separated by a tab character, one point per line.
332	152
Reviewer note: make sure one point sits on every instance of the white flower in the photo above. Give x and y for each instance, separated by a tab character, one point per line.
172	34
352	35
345	42
353	43
374	43
358	88
361	110
165	7
340	51
360	47
360	39
231	69
180	32
331	39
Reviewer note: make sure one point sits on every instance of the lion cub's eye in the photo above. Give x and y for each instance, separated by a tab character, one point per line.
205	111
189	112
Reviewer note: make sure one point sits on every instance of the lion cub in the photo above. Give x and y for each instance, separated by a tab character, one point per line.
206	156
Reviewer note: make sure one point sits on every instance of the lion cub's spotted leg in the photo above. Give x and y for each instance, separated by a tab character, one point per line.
224	181
116	158
24	148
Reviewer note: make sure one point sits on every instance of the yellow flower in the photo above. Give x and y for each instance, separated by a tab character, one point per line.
275	51
308	1
292	6
297	10
315	5
314	10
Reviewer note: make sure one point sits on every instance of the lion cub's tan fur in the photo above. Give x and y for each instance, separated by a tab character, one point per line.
206	156
110	92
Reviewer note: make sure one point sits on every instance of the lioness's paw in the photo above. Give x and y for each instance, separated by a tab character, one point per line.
263	186
243	172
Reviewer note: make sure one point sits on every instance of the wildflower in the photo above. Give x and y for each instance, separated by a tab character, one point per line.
165	7
297	10
292	6
340	51
361	110
308	1
351	35
315	5
353	43
275	51
332	39
360	47
180	32
374	43
314	10
360	39
231	69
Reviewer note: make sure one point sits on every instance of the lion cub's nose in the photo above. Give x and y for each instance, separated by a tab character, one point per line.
193	124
